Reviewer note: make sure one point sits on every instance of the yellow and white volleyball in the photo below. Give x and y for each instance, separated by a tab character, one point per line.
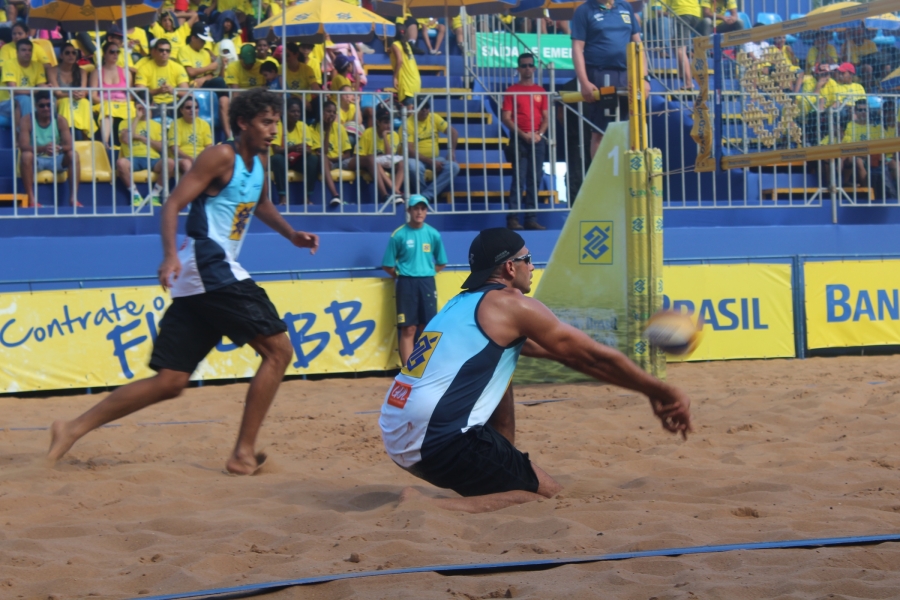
674	332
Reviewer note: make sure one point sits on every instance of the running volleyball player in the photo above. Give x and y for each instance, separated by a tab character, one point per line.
449	419
213	296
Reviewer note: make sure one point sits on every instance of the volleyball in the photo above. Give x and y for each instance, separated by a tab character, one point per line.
674	332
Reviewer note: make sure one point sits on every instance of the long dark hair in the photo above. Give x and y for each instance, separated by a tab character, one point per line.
76	68
398	37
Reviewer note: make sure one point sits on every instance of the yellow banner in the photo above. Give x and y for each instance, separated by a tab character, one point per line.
747	309
103	337
852	303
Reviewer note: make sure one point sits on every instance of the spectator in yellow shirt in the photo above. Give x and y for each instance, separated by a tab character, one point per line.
298	151
862	52
314	55
865	126
243	73
340	75
167	28
21	73
407	81
160	75
300	75
423	130
846	91
331	142
188	135
141	140
263	50
8	52
721	13
379	153
205	69
821	52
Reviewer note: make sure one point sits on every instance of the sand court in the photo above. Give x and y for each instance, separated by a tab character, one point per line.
782	450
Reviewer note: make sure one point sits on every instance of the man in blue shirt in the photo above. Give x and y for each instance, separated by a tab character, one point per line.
601	31
413	256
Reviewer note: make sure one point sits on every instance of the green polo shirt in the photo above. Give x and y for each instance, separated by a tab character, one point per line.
414	252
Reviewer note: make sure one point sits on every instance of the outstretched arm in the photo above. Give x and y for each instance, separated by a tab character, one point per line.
552	339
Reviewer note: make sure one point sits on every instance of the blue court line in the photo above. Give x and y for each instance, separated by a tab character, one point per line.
482	568
147	424
524	402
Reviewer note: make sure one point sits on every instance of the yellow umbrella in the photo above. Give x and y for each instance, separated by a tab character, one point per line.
309	23
558	10
88	17
437	9
833	7
887	22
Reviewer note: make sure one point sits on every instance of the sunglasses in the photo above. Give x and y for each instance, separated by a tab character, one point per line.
525	258
113	52
166	50
44	105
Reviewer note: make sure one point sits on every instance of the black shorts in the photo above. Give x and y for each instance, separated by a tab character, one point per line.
478	462
416	300
595	111
193	325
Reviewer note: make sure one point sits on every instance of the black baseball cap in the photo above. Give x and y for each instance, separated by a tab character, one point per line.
490	249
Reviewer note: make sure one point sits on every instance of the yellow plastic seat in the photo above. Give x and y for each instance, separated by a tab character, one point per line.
47	176
98	158
141	176
47	46
342	176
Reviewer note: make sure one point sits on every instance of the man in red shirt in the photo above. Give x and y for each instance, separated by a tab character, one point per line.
525	115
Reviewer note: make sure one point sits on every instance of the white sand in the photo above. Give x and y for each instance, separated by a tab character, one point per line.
783	450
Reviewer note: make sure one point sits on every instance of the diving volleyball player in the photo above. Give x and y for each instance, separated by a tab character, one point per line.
449	418
213	296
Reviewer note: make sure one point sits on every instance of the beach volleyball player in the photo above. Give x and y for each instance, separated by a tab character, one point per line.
448	417
213	296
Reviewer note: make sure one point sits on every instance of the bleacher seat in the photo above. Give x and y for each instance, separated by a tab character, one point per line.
47	46
745	19
47	177
768	18
141	176
94	163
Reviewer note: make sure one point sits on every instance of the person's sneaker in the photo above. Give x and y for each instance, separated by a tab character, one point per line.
154	199
513	223
365	49
533	225
335	202
416	49
136	198
398	199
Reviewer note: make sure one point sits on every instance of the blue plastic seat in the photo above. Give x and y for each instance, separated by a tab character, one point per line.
745	19
208	106
768	18
793	39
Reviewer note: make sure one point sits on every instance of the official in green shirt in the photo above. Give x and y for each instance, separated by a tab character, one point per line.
413	256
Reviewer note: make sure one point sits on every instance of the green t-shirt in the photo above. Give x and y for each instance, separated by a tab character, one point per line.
414	252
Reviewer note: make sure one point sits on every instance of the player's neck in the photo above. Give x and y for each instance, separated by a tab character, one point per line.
243	151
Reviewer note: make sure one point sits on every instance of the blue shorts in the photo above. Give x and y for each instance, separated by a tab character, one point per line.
48	163
594	111
139	163
416	300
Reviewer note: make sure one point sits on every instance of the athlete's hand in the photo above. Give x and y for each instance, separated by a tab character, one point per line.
169	271
673	408
301	239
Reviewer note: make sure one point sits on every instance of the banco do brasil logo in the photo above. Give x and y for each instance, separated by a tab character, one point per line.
596	243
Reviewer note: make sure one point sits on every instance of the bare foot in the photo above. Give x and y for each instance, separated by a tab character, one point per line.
61	439
409	494
76	204
244	465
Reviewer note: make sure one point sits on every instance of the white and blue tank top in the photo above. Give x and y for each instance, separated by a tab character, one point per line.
453	380
216	226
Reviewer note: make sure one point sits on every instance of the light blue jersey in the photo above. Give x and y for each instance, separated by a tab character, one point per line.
453	380
216	227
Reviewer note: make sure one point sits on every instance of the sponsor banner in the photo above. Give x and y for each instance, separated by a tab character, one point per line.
702	130
103	337
503	50
852	303
747	309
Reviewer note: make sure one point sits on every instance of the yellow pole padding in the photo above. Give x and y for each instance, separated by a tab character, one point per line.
654	161
637	256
